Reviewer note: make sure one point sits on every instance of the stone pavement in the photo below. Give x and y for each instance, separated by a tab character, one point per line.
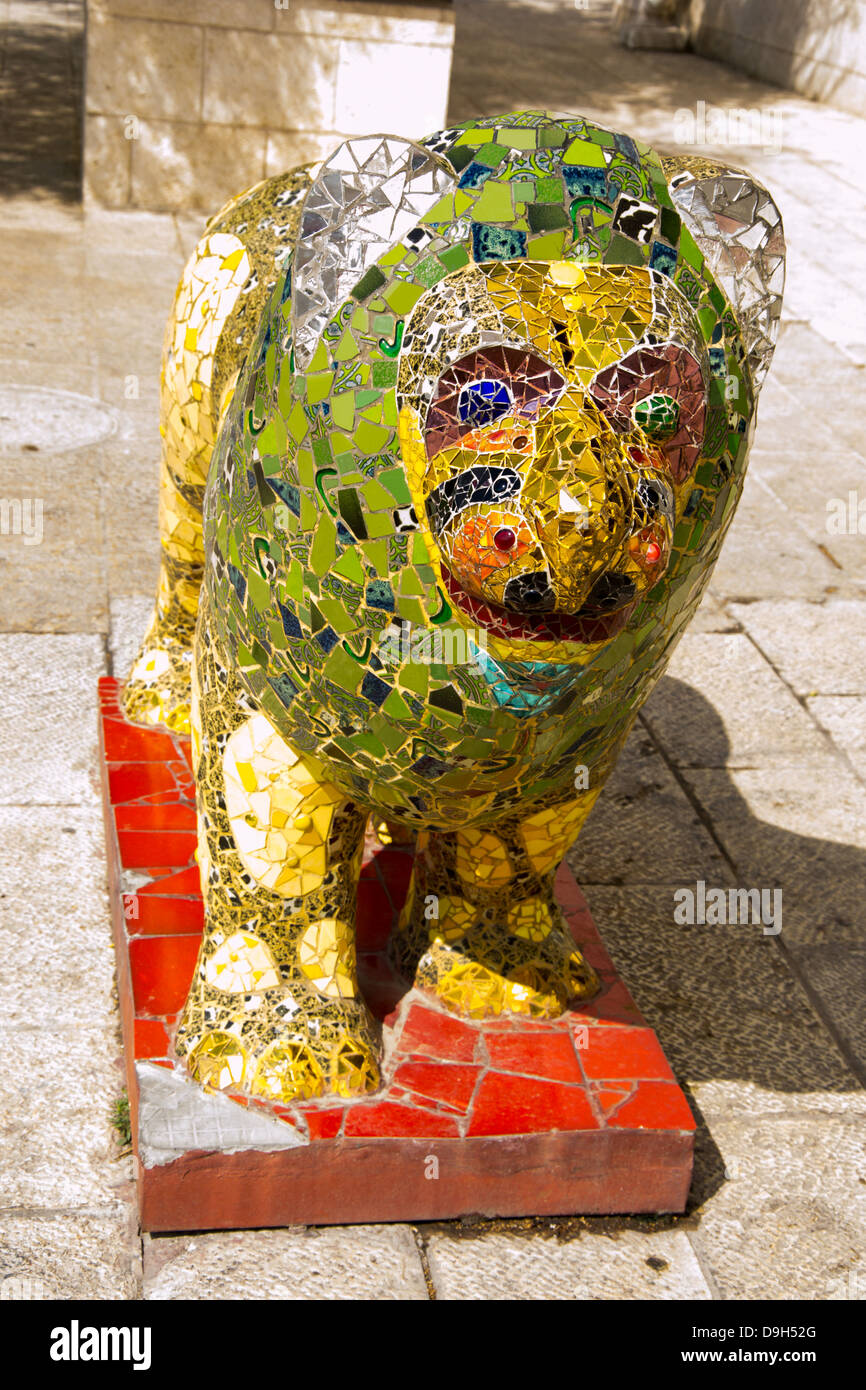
747	767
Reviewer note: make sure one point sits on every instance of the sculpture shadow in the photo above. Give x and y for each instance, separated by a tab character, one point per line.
729	1003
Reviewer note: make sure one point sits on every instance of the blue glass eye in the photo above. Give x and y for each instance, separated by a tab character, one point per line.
482	402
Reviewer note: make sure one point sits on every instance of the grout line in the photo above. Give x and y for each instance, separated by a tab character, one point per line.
421	1246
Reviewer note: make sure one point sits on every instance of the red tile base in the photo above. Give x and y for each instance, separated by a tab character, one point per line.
502	1118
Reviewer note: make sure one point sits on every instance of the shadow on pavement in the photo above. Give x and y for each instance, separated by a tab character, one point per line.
41	100
729	1003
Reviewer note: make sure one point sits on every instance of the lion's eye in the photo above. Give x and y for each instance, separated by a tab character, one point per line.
482	402
657	415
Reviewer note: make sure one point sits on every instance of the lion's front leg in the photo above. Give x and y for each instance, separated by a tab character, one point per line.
274	1009
481	927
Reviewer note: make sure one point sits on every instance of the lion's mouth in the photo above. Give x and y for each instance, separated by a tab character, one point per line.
590	625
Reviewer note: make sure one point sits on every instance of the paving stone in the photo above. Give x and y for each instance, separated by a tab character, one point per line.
815	499
132	530
54	916
819	649
798	826
837	975
127	315
48	730
135	237
340	1262
712	616
85	1255
806	366
722	1000
623	1264
765	557
790	1221
41	1111
722	704
748	1100
129	619
844	718
826	294
52	576
43	321
134	397
26	369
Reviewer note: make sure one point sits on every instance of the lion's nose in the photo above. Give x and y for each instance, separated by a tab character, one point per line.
581	529
530	593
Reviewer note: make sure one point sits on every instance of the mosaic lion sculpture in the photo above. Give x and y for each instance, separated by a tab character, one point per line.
452	434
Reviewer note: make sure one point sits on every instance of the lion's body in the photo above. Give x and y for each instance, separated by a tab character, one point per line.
458	511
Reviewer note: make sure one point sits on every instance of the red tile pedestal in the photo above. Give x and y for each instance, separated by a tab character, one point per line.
507	1117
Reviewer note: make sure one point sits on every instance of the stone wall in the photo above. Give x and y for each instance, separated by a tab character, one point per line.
817	47
189	101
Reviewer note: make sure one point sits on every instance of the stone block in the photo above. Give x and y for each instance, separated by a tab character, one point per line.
228	14
424	23
699	714
286	149
343	1263
621	1264
267	81
48	733
142	69
107	165
88	1255
194	166
818	648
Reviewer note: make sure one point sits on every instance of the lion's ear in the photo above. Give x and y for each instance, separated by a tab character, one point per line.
366	196
738	229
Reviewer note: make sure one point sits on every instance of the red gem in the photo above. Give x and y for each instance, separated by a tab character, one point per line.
505	539
653	553
637	454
